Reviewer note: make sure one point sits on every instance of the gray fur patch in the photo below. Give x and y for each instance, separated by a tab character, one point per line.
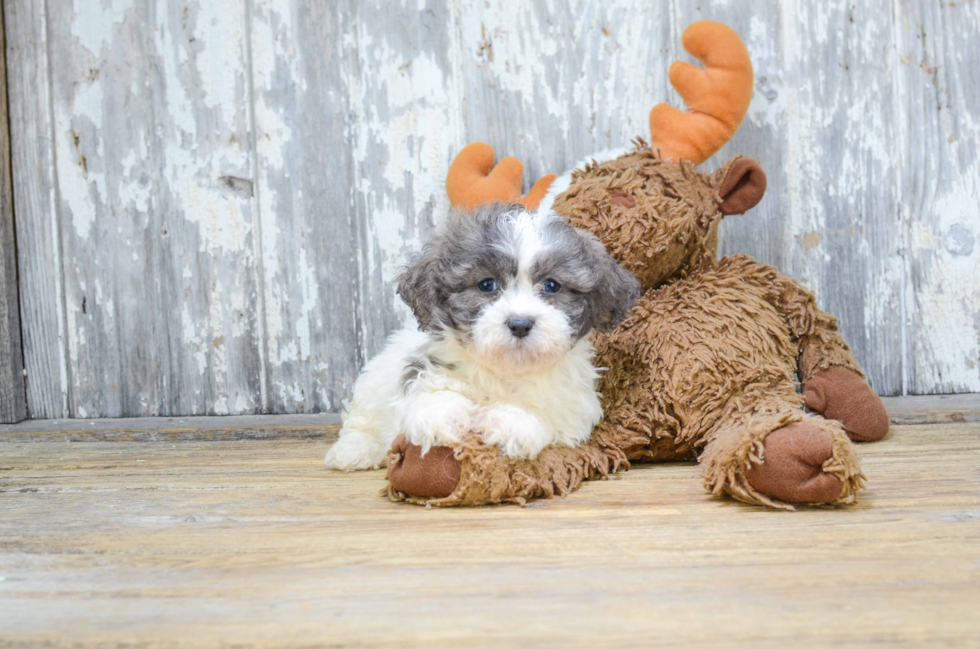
440	285
596	291
411	374
438	362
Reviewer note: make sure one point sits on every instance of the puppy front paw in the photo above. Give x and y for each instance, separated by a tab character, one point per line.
355	451
517	433
439	419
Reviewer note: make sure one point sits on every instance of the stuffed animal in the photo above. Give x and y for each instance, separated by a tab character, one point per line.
708	363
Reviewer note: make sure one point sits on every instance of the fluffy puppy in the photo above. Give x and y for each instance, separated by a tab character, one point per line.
505	300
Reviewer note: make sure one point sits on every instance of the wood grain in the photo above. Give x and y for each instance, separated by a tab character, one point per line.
254	544
844	204
933	409
178	429
218	196
35	198
152	147
940	190
13	398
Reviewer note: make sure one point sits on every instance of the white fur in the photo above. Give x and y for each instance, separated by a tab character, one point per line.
516	431
521	413
520	394
438	418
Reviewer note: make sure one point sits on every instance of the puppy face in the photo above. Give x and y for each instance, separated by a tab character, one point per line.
518	289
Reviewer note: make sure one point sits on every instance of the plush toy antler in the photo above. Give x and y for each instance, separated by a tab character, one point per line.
472	179
717	95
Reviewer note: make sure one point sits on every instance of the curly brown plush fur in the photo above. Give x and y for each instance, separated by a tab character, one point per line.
707	363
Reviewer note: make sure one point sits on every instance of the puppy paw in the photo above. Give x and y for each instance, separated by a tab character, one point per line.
438	419
434	475
516	432
838	393
355	451
792	466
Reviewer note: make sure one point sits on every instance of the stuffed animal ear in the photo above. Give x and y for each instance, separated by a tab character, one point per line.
741	184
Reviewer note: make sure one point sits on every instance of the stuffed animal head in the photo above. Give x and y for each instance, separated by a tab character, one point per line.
656	217
655	212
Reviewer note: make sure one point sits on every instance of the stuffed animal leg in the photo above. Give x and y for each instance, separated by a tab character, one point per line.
774	455
833	384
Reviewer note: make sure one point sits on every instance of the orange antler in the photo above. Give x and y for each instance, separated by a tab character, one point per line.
472	179
718	95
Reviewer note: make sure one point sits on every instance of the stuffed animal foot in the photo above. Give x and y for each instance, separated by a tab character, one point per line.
840	394
433	475
775	458
792	468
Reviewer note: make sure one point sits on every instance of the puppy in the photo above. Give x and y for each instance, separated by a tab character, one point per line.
505	300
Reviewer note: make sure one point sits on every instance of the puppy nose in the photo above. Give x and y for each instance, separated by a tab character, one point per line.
520	327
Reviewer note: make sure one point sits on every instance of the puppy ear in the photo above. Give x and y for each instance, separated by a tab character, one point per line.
616	290
418	289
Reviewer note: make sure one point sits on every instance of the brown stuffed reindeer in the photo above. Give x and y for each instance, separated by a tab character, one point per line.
707	364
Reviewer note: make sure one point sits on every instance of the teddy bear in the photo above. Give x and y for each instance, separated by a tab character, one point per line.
709	364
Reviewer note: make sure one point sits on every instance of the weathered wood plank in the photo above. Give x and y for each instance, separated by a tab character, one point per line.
153	156
302	131
35	195
13	398
939	46
256	545
173	429
933	409
841	162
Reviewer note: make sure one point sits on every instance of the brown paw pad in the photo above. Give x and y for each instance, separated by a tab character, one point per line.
433	476
792	467
840	394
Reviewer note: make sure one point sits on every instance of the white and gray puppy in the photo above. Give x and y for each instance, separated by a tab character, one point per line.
505	300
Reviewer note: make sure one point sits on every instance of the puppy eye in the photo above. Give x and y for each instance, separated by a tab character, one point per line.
551	286
489	285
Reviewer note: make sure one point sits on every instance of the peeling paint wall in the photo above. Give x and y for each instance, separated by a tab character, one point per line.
214	197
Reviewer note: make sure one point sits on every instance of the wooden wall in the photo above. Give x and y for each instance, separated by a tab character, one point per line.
213	196
13	402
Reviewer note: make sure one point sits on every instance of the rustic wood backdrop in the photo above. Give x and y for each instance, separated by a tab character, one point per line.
213	196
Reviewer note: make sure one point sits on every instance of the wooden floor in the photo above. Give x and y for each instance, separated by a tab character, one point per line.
252	543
